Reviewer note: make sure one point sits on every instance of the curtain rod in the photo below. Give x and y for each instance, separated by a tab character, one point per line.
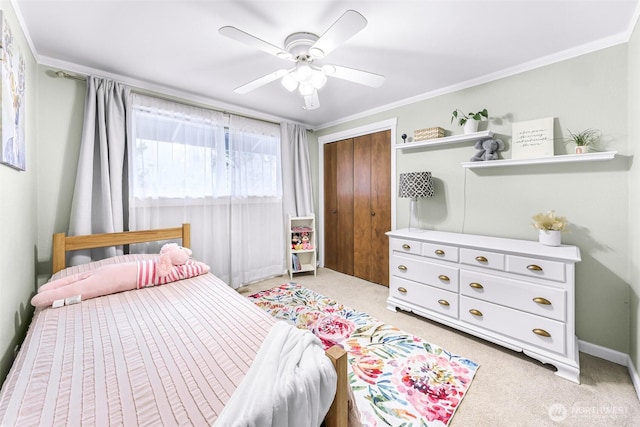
65	75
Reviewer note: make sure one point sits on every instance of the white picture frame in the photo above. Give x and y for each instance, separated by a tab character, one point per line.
532	139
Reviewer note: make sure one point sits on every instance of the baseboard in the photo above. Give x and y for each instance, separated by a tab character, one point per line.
615	357
635	379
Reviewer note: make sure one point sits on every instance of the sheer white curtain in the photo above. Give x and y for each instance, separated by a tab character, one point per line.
186	166
255	220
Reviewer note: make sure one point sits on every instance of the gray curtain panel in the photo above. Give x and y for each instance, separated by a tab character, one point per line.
296	171
100	193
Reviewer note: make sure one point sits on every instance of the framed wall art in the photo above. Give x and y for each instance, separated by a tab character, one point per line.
532	139
12	141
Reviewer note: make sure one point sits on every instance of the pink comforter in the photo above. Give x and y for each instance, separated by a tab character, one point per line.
167	355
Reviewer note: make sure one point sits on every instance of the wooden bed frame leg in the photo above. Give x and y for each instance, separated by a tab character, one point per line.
338	415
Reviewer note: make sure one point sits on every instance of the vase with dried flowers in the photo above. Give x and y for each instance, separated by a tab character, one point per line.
550	226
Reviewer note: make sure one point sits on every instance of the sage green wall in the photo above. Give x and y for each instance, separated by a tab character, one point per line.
588	91
634	194
18	206
61	112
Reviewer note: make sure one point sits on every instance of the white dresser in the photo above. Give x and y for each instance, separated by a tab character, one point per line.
516	293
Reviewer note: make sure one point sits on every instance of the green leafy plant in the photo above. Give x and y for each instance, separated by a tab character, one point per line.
549	221
587	137
462	118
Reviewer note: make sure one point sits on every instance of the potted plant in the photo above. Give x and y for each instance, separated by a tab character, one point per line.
469	121
584	139
550	227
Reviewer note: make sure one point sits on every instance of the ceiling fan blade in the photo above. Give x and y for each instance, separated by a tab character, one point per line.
351	74
348	25
248	39
261	81
311	102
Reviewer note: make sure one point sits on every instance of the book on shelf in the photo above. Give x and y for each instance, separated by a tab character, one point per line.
295	263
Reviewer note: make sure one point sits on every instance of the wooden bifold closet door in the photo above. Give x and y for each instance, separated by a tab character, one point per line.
357	211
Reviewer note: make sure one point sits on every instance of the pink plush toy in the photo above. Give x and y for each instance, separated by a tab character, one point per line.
173	264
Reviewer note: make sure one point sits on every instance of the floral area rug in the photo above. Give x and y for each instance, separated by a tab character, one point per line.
397	379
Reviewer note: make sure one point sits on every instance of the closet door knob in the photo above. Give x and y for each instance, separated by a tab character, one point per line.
475	312
334	212
541	332
439	252
475	285
443	302
443	278
373	213
542	301
533	267
402	267
481	259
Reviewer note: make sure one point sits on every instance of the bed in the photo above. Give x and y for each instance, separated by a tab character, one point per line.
165	355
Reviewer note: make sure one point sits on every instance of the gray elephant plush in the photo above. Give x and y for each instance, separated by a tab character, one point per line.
488	149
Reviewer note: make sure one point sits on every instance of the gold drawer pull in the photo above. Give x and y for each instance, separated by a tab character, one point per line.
542	301
439	252
481	259
534	267
402	290
402	267
405	246
475	285
443	302
444	278
475	312
541	332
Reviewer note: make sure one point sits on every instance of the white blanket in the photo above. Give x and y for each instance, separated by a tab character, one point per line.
291	383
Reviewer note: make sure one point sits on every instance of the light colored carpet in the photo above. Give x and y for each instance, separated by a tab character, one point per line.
509	389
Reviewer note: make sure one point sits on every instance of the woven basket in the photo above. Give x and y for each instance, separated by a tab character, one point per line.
427	133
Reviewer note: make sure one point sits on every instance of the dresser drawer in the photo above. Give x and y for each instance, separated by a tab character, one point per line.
536	299
441	276
533	267
482	258
514	324
428	297
406	246
437	251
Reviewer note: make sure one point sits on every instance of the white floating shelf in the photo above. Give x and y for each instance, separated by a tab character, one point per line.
454	139
564	158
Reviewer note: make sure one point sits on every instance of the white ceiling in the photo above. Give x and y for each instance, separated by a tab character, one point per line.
422	47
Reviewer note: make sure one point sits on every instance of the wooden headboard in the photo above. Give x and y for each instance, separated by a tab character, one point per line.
63	243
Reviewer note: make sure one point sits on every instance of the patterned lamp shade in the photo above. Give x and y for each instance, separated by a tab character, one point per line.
416	184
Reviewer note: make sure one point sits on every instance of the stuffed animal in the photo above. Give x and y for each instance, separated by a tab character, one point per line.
295	241
305	241
173	264
488	149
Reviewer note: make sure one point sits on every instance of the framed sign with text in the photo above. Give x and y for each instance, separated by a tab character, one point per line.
532	139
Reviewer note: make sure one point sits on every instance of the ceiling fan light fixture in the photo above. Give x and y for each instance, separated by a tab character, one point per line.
289	82
304	73
318	79
305	89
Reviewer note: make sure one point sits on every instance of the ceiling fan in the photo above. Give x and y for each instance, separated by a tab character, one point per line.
304	48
